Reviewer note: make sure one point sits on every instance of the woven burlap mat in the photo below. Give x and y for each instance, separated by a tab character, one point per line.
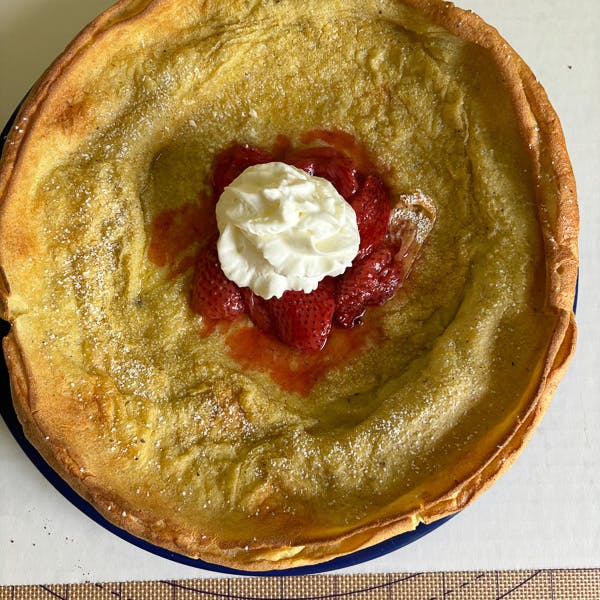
571	584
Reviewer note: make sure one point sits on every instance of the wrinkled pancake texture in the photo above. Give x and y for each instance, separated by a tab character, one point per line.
159	426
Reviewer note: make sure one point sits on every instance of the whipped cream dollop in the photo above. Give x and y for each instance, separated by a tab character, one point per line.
283	229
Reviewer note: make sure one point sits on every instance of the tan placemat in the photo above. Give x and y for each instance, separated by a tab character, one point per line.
572	584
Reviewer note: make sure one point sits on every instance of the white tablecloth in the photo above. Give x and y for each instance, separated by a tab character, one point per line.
545	512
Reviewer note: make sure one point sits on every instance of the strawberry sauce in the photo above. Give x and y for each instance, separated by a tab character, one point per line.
296	340
344	143
175	230
293	370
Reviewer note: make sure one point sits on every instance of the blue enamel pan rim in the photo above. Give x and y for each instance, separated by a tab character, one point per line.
355	558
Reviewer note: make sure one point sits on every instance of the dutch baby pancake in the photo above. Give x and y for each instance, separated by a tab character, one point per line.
285	278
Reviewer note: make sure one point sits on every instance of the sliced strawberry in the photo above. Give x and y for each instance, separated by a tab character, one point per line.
371	203
213	295
303	321
327	162
370	281
258	310
233	161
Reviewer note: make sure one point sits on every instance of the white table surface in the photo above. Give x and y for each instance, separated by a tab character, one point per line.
544	513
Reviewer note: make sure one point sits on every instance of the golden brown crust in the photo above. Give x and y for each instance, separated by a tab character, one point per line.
479	464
